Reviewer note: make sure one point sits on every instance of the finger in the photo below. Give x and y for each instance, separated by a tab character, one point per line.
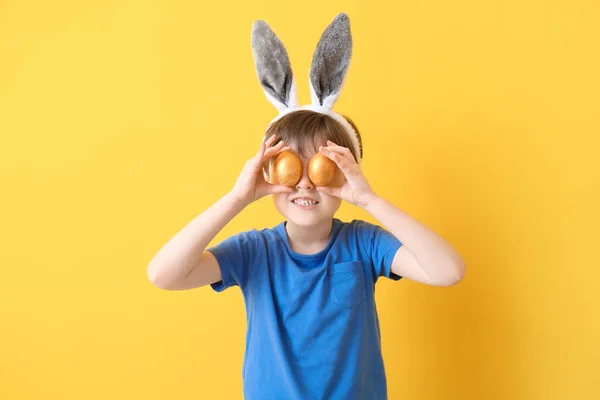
279	145
260	152
278	148
273	150
269	143
340	150
271	140
343	154
340	160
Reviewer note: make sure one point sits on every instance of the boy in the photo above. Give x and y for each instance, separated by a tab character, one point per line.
309	282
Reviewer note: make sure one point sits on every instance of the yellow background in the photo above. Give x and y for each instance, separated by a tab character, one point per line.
121	121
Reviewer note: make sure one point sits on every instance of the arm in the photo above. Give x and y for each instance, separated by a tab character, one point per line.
424	255
183	262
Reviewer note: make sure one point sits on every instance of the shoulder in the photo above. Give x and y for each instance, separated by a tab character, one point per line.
368	235
356	231
245	247
357	224
255	238
358	228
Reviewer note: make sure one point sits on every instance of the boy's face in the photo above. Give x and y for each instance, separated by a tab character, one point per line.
306	206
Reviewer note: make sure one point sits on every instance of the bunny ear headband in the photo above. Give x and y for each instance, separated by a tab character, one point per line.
327	73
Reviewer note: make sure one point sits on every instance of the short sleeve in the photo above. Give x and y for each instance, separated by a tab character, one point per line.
235	256
380	246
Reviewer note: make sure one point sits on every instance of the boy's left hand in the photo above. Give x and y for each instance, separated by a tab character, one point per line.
356	188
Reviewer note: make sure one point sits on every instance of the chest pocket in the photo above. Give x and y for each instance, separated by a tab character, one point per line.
348	283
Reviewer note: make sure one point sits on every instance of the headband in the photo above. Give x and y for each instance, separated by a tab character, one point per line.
327	72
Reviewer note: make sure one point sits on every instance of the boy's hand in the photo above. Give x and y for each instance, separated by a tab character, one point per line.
356	188
251	185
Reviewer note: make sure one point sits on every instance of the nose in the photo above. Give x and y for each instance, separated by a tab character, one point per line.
304	182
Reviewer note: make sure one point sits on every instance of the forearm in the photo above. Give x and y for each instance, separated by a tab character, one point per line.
180	254
436	257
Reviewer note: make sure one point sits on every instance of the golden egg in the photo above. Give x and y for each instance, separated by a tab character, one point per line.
321	169
288	168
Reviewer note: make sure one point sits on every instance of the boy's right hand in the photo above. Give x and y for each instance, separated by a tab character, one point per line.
251	184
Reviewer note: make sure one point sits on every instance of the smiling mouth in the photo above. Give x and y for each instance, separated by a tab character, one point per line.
305	202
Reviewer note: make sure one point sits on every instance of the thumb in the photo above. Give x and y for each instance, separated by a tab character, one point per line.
259	154
253	164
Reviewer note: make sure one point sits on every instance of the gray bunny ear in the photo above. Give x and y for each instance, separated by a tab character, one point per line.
273	67
330	62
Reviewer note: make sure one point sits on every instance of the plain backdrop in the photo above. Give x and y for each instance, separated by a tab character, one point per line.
121	121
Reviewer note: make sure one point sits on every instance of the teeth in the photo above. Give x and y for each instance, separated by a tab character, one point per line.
302	202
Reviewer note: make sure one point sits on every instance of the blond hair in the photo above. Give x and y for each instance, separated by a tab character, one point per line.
305	130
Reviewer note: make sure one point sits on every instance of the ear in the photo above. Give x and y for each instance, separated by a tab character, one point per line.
330	62
273	67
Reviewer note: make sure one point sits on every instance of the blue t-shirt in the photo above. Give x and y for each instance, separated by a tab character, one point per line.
312	324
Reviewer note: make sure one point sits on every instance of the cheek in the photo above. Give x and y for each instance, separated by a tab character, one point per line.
331	203
279	200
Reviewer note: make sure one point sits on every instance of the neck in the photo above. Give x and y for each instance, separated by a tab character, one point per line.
309	239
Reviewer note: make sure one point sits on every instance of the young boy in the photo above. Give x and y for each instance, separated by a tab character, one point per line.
309	282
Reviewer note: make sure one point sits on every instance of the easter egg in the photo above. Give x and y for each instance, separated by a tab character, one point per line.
321	169
288	168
